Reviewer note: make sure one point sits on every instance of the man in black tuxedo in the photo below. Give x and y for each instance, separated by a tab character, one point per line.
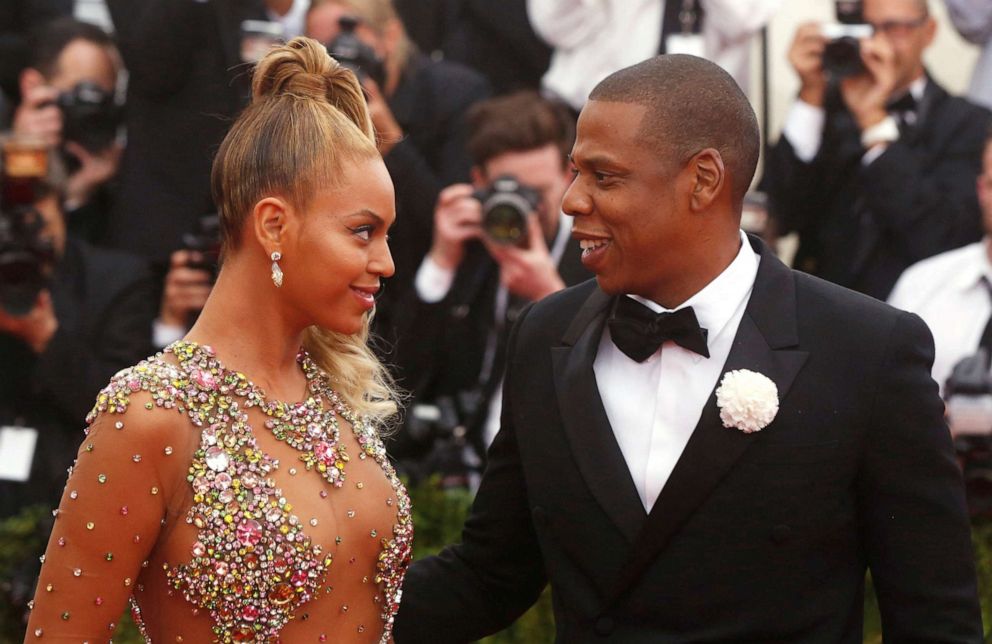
619	477
468	290
876	170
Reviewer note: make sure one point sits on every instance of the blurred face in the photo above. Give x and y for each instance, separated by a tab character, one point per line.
323	26
81	61
541	169
628	217
985	189
908	29
333	269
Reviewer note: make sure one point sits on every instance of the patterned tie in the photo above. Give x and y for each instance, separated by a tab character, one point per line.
638	331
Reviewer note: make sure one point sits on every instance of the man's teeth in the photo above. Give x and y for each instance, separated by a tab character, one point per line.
592	244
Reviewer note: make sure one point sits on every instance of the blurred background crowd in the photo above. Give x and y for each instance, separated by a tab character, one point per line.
877	175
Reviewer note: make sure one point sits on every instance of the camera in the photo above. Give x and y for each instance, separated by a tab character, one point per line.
842	54
506	204
91	116
435	441
205	239
348	49
968	394
27	255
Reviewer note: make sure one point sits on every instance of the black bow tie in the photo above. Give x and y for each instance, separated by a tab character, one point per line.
638	331
905	103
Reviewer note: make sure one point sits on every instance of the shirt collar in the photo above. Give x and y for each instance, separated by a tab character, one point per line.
717	302
972	272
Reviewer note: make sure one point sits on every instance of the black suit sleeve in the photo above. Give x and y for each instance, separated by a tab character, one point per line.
913	508
496	573
792	186
928	207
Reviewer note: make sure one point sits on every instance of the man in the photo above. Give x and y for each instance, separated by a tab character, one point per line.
469	289
875	170
952	291
69	60
621	477
973	20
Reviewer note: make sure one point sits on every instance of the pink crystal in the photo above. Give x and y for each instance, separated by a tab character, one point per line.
249	613
249	532
324	452
204	379
221	568
134	385
299	578
199	549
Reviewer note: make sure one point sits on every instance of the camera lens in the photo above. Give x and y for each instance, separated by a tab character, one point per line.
505	223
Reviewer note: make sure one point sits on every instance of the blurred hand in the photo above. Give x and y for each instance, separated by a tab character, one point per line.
388	130
186	289
37	116
806	57
457	219
37	327
867	94
95	169
528	272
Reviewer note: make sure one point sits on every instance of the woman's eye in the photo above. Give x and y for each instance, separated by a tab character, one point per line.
363	232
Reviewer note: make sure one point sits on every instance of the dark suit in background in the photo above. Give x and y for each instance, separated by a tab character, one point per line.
861	226
18	18
186	85
761	537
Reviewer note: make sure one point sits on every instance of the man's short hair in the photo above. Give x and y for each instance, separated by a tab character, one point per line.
48	41
516	123
692	104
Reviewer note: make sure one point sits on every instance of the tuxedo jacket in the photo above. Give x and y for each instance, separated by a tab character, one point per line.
761	537
861	226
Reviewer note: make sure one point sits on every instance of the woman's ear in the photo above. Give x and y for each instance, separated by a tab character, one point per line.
708	180
273	223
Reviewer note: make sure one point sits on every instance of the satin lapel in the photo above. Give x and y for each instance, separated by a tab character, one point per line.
590	436
767	328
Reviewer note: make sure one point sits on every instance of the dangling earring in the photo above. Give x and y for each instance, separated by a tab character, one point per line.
276	271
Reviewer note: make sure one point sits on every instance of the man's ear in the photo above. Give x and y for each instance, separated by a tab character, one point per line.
273	224
30	78
708	178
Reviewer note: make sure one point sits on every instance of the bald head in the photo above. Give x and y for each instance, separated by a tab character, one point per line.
692	104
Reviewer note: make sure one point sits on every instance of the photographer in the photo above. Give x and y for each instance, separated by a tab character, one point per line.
876	162
418	107
67	101
92	320
498	244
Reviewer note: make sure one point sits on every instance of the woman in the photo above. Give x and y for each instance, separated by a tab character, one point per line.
222	507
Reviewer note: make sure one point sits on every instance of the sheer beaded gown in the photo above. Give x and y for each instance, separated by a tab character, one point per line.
223	515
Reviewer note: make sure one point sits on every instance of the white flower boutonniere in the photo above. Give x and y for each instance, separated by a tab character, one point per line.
747	400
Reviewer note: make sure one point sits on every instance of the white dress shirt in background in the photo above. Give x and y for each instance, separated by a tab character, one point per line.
594	38
947	292
653	406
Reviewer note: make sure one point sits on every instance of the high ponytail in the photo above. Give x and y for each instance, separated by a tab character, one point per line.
307	119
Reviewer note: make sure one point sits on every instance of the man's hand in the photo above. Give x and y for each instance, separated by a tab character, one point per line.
806	57
867	94
457	219
37	327
387	129
95	169
38	116
528	272
186	289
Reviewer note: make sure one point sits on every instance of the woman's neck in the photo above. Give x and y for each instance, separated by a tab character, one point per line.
243	321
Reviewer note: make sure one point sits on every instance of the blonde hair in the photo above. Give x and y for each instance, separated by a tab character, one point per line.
377	14
307	118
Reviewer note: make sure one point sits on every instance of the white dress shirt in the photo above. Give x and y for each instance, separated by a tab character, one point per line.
594	38
804	126
947	292
654	406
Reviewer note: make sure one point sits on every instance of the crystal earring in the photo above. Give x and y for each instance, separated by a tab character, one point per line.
276	271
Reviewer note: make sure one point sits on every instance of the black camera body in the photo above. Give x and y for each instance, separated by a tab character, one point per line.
205	239
968	393
90	116
348	49
842	54
506	204
27	258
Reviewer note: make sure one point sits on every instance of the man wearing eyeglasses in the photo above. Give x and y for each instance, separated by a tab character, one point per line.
875	168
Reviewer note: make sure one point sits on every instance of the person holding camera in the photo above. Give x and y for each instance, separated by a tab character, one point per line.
876	163
498	244
418	106
68	102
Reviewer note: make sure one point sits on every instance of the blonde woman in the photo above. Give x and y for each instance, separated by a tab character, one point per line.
234	485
